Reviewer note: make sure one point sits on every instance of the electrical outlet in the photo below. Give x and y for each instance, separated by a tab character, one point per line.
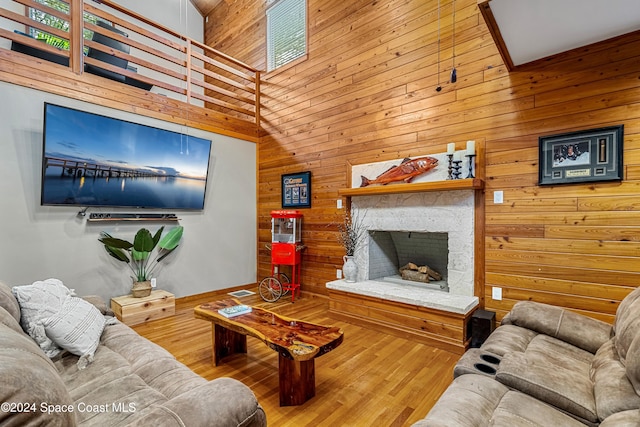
339	203
496	293
498	197
339	274
153	282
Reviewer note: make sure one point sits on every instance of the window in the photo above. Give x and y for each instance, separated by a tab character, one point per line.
286	32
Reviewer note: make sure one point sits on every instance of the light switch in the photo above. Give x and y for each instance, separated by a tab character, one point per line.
496	293
339	203
498	197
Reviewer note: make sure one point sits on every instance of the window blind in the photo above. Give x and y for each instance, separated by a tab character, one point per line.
286	32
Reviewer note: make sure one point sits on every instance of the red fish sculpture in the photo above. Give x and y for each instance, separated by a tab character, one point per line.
405	171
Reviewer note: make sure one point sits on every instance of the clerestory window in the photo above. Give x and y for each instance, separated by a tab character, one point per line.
286	32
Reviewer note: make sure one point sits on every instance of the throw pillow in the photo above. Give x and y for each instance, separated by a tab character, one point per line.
39	301
77	328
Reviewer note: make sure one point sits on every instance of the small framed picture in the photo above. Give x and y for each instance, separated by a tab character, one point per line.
296	190
584	156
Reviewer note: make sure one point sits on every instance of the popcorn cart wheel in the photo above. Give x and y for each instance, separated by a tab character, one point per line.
286	249
271	288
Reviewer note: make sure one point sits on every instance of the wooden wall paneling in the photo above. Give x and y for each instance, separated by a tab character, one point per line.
49	77
367	93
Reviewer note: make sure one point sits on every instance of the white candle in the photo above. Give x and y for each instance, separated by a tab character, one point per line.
457	156
451	147
471	147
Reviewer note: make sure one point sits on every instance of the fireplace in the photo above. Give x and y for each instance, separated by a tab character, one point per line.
389	251
444	219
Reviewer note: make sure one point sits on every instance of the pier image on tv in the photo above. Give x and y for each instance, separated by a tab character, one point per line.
94	160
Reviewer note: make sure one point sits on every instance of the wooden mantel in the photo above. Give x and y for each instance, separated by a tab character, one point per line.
449	185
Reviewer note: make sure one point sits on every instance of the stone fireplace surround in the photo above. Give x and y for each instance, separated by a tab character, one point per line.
450	212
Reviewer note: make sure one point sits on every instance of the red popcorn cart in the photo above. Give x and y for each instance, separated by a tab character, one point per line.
286	249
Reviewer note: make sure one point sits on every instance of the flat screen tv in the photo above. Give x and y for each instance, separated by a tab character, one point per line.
94	160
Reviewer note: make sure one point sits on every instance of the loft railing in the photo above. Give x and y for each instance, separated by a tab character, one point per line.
104	38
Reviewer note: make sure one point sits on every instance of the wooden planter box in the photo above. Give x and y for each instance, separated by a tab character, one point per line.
132	311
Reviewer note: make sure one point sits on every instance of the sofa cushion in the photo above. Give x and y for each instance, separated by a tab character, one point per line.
77	328
627	324
223	402
558	353
626	310
28	376
508	338
9	321
568	389
612	389
39	301
476	400
623	419
633	364
581	331
9	302
152	363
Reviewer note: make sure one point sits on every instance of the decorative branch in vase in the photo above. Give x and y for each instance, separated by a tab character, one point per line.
351	233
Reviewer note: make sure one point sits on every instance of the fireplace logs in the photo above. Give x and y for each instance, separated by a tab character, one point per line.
419	273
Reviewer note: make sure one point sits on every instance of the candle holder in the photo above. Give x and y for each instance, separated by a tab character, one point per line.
470	157
450	165
457	165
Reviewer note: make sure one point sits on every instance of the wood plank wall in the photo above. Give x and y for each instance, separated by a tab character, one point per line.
46	76
367	93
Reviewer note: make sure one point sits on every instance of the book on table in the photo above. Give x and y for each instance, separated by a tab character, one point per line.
235	310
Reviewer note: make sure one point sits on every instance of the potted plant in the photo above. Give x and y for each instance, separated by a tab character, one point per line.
351	233
140	256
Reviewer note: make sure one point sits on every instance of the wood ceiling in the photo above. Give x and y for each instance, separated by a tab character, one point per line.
206	6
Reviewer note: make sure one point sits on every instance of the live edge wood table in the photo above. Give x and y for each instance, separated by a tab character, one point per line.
298	343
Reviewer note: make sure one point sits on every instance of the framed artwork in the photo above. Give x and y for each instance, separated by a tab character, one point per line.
585	156
296	190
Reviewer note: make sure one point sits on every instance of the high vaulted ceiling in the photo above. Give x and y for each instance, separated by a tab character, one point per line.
205	6
527	30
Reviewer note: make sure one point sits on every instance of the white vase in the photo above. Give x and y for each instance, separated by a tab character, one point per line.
349	269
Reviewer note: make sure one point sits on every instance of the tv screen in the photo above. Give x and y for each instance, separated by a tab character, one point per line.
94	160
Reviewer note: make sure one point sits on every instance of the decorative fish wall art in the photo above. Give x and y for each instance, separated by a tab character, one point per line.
405	171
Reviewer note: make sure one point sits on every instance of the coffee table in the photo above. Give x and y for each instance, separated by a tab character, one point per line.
298	343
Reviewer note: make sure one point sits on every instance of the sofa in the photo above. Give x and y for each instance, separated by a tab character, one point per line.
548	366
123	379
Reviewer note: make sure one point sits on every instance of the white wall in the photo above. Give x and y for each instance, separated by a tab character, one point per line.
219	245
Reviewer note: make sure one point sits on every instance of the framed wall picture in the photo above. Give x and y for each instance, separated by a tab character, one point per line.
296	190
584	156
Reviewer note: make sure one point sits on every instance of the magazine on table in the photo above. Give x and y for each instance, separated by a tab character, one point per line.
236	310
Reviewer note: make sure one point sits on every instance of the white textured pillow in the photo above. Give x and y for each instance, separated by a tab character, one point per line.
77	327
39	301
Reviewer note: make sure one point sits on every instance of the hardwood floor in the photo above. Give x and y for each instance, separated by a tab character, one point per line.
371	379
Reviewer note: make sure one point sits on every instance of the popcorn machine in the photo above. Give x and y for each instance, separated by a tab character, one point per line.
286	249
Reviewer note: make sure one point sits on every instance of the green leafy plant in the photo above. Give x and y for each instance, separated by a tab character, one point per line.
139	255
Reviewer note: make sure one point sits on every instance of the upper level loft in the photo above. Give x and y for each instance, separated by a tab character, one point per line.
98	51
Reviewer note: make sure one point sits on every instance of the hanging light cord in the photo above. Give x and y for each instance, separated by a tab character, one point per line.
454	76
439	88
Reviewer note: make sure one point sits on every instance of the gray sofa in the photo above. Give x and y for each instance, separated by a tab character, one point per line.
547	366
128	381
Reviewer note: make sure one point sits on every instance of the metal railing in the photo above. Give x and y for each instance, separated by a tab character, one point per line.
127	47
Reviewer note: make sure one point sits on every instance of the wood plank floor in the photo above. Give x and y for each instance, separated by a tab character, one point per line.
372	379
